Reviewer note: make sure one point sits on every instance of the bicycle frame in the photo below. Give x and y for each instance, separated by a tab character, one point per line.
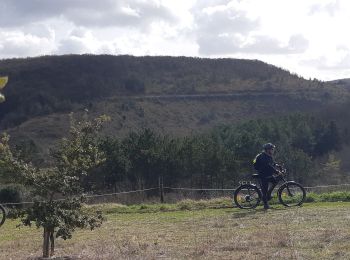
2	214
280	181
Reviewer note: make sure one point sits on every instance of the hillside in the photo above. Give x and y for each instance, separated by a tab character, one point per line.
176	95
341	82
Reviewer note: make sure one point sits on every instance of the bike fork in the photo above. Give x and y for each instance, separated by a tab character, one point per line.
289	192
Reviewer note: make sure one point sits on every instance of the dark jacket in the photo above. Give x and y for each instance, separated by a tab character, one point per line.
264	164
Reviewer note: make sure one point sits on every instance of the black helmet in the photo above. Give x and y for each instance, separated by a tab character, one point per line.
269	146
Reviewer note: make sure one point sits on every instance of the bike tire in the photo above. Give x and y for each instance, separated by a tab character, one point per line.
2	215
247	196
291	194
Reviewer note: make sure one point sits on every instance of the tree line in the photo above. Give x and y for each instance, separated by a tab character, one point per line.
219	158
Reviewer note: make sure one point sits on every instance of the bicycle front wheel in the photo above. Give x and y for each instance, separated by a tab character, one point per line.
291	194
247	196
2	215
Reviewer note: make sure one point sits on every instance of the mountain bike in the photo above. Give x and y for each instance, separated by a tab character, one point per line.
290	193
2	215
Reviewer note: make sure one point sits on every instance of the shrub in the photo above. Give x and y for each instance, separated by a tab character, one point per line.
185	205
312	197
335	196
12	193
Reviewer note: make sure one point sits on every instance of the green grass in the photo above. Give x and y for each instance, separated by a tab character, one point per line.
198	229
110	208
328	197
225	202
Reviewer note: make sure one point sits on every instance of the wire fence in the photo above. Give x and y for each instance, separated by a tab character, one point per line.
174	194
95	198
328	188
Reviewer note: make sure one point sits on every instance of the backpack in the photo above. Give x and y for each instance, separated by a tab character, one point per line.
255	164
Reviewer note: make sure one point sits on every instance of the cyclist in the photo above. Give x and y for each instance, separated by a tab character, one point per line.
265	166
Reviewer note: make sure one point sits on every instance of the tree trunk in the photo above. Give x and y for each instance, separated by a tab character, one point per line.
46	245
49	242
52	242
161	189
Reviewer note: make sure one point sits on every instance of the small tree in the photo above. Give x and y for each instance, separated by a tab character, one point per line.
57	190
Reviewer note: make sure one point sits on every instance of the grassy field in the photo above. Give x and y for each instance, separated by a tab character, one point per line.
314	231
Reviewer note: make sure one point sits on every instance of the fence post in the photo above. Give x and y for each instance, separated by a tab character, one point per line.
161	189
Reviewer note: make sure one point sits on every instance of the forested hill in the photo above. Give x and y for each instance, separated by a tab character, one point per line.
344	83
51	84
170	94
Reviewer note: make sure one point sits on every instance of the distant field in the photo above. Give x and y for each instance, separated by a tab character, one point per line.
315	231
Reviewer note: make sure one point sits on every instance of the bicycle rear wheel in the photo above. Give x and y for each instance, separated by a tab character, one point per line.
247	196
291	194
2	215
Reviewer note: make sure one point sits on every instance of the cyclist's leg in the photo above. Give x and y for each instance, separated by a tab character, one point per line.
274	183
264	185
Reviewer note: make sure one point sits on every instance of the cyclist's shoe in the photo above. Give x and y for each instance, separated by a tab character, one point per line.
266	206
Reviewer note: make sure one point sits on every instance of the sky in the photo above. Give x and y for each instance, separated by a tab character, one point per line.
306	37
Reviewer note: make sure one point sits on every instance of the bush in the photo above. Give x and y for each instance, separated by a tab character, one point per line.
12	193
335	196
328	197
185	205
312	197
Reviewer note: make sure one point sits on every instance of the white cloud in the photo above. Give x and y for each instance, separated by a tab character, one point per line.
39	30
323	63
230	29
85	12
220	28
74	45
298	43
306	37
17	43
330	7
224	20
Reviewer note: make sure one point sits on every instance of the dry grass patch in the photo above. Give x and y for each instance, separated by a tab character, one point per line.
318	231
